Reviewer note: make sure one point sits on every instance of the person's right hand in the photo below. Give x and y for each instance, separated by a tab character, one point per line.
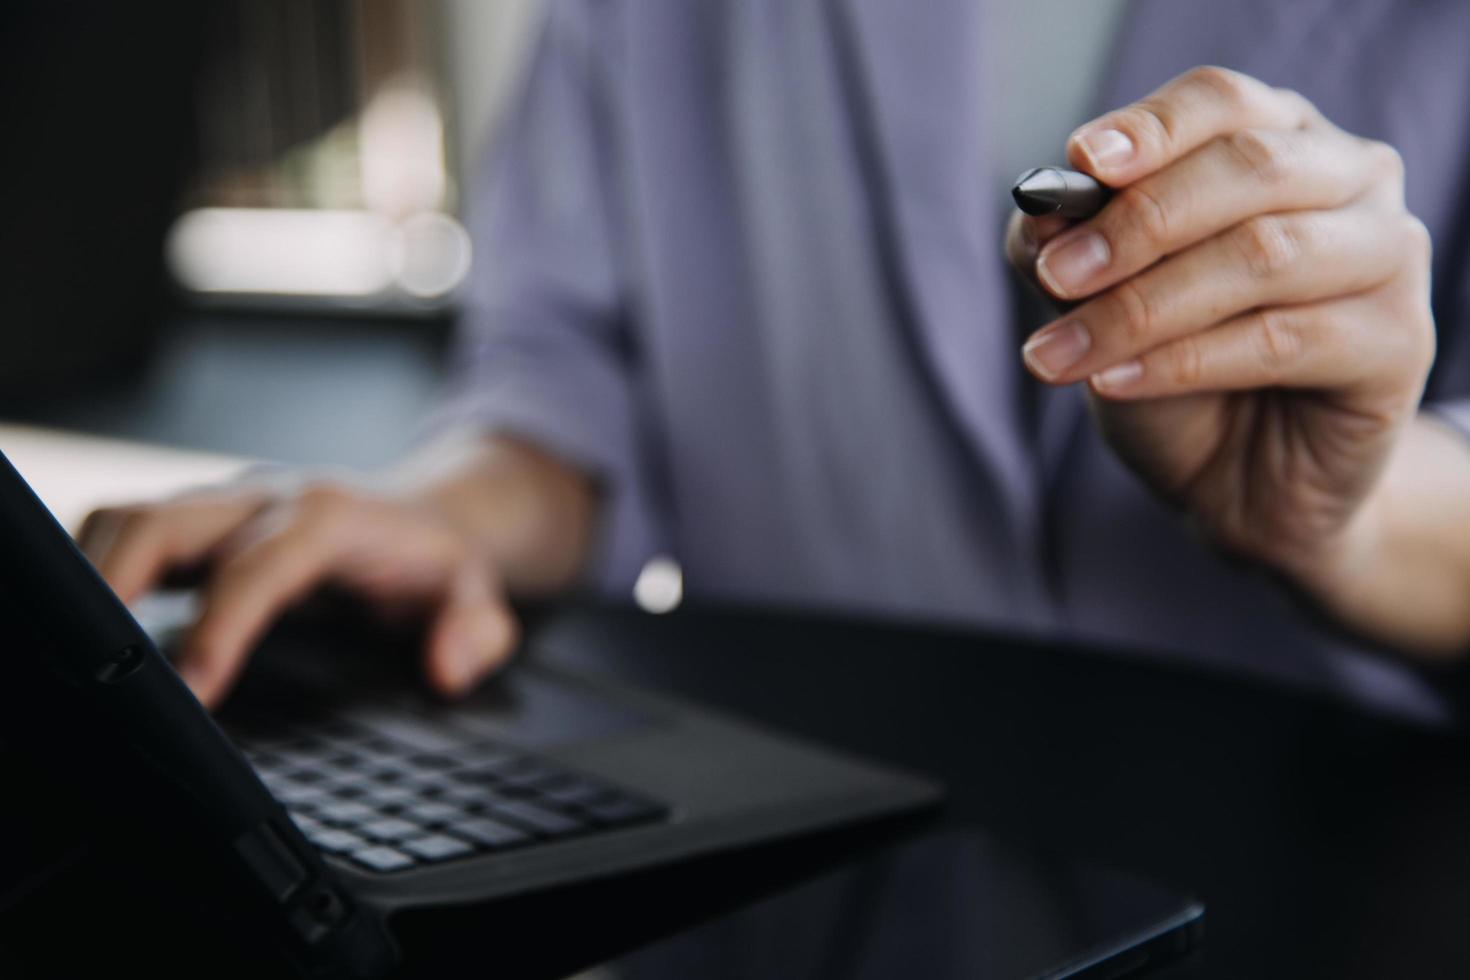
261	552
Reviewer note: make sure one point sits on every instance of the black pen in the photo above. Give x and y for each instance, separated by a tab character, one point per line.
1055	190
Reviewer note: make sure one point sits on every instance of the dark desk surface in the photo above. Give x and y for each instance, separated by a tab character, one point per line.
1324	841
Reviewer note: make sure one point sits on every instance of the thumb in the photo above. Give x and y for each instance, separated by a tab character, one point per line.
472	634
1027	234
1025	237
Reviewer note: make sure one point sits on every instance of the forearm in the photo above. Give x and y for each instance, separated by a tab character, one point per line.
1403	574
533	514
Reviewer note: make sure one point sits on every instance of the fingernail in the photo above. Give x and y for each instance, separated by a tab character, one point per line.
1066	268
1118	376
1107	147
1055	350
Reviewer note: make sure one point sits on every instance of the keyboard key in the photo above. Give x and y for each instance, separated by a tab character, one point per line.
339	730
300	775
293	795
389	829
335	841
273	778
465	797
411	790
262	760
390	769
538	820
622	811
263	745
431	813
382	859
380	745
574	791
329	775
529	776
490	833
343	812
399	726
389	795
304	823
482	754
305	754
491	770
437	847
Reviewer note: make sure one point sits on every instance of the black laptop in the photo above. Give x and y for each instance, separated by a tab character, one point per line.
332	793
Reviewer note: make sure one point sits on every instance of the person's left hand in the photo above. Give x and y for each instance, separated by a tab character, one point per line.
1253	319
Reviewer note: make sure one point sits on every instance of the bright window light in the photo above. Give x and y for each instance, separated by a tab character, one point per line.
346	254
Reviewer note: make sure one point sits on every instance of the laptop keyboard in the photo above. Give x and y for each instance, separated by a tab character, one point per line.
386	805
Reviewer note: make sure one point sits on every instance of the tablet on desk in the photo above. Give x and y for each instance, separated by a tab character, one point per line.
957	906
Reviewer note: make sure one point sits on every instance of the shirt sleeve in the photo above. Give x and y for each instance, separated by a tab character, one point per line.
544	349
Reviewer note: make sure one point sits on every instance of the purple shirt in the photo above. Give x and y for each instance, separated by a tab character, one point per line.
741	260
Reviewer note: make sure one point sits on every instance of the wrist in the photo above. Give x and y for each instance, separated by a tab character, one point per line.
1337	570
1396	572
531	514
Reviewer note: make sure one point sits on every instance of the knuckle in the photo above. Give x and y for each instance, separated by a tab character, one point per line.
1230	87
1301	106
1143	215
100	518
1152	125
1413	299
1428	345
323	496
1419	243
141	522
1388	161
128	512
324	505
1413	350
1185	368
1137	313
1262	154
1423	343
1269	244
1278	341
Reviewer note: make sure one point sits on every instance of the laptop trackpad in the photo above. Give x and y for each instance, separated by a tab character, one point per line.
309	676
536	710
524	707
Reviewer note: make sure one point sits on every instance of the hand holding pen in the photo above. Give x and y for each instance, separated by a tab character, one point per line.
1249	308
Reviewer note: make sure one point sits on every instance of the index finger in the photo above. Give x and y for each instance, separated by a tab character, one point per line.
247	593
1121	146
134	548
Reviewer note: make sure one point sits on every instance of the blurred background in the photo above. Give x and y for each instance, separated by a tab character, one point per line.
235	225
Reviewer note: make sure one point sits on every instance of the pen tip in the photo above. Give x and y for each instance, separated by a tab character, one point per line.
1039	191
